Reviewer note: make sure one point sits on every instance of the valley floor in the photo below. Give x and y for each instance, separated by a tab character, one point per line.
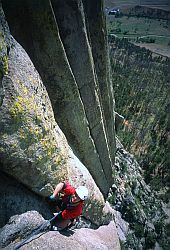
159	49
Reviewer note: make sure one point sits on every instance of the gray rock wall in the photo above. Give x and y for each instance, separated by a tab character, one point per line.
29	148
95	21
73	27
33	148
75	71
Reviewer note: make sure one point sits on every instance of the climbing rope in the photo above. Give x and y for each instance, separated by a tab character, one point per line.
36	232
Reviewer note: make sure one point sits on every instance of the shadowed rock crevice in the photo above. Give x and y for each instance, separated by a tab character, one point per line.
17	199
73	31
95	21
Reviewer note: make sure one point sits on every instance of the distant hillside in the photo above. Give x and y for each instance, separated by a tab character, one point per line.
147	27
161	4
147	11
142	94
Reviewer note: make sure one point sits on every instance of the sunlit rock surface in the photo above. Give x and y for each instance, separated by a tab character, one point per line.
33	148
75	72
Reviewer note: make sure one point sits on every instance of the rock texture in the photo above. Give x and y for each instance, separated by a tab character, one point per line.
28	130
69	52
96	32
75	71
33	149
17	199
19	227
138	204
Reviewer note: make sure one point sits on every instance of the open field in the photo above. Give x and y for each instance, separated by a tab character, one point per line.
158	49
153	34
138	26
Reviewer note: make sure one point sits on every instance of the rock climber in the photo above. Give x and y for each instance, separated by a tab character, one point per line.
120	120
69	202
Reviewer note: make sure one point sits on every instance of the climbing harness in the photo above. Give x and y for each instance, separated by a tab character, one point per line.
36	232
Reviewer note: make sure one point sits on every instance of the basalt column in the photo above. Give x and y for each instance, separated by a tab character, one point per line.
56	37
96	27
70	18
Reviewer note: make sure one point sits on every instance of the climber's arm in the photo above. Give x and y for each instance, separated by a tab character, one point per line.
57	190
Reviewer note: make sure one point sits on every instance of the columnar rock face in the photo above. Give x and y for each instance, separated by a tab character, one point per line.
90	69
59	36
33	149
29	148
98	41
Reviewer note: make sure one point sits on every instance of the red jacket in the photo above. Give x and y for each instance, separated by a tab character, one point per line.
73	210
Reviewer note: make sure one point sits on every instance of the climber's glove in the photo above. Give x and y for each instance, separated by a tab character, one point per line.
52	197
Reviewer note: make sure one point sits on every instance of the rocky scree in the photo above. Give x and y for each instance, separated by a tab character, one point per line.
138	204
